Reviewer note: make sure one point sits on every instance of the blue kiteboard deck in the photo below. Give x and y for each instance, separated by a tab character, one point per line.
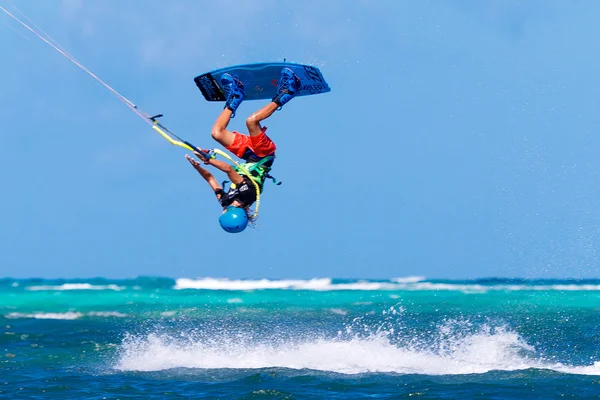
260	80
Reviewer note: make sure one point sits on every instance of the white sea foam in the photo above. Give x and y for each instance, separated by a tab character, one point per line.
411	283
106	314
70	315
409	279
487	350
478	288
75	286
582	370
42	315
293	284
168	313
248	284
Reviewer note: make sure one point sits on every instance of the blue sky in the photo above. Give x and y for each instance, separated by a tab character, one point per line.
459	140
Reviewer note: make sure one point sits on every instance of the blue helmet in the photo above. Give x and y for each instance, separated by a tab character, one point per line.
234	220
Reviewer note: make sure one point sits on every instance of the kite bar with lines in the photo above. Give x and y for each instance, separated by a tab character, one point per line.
152	120
167	134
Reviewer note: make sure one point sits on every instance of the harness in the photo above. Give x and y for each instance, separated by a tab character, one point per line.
257	171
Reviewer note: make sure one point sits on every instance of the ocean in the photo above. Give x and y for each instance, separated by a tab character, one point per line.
206	338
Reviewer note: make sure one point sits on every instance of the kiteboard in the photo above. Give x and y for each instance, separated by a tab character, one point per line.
260	80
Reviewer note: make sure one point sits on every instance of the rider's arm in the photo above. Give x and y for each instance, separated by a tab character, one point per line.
223	166
205	173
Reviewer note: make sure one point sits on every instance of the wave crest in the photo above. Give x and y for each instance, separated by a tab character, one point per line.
479	352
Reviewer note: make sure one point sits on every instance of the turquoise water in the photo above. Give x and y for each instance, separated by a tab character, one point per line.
296	339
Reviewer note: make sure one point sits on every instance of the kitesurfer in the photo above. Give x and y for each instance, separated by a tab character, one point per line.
256	149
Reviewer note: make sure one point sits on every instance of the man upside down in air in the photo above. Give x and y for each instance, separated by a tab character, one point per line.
256	149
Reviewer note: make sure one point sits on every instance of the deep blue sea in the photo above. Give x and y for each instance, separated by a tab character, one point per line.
299	339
